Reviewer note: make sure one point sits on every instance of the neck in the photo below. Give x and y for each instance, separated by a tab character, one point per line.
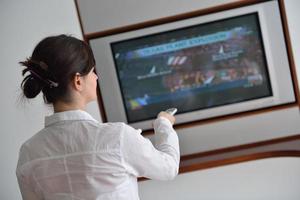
60	106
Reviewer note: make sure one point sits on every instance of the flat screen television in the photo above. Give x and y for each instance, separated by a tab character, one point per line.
207	66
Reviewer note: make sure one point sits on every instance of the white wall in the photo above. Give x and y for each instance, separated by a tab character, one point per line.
251	180
23	24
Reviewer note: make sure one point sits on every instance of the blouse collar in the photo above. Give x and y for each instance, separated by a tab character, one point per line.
68	115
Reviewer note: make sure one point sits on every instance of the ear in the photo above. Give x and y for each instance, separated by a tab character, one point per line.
78	82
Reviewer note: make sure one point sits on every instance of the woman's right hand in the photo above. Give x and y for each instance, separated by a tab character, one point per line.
168	116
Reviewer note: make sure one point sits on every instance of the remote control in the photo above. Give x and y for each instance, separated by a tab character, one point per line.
171	111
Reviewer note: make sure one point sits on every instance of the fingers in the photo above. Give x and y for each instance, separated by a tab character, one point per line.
166	115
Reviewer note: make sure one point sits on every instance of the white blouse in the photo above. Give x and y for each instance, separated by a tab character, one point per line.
75	157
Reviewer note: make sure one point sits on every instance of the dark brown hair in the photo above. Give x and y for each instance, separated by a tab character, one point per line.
53	64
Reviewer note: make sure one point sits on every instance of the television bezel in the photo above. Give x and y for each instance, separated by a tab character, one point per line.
227	11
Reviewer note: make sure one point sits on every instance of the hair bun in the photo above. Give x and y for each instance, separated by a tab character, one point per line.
31	87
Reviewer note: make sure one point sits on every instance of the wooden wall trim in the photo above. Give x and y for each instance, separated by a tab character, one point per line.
79	19
235	160
281	147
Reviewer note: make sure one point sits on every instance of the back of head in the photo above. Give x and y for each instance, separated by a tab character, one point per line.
53	64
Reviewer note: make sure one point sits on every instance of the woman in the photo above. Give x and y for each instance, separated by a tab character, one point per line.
74	156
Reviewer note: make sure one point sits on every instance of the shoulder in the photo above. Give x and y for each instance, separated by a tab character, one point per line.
118	127
28	148
109	135
117	132
115	128
29	143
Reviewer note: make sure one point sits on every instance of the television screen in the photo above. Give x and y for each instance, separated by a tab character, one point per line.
192	68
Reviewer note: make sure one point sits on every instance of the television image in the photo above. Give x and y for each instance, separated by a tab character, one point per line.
207	66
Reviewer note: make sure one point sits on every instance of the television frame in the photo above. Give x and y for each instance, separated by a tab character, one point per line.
112	106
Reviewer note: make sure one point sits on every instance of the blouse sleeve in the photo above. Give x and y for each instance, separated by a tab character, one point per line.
25	184
142	159
27	192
